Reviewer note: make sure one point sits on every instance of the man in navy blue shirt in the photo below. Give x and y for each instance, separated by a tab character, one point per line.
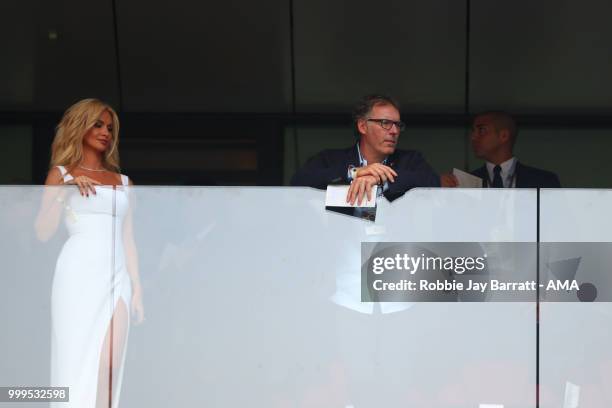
493	138
373	160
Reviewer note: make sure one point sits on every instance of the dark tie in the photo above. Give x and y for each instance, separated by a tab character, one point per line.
497	180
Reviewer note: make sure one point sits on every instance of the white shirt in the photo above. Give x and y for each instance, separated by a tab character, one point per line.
508	168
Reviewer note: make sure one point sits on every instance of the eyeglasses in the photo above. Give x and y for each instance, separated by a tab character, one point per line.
387	124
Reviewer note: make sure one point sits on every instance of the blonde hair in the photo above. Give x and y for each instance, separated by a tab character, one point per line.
67	147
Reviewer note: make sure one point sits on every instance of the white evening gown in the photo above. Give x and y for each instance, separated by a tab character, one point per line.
90	279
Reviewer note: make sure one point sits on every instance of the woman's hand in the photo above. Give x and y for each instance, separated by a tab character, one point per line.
86	184
137	307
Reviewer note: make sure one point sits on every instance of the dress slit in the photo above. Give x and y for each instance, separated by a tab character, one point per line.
114	371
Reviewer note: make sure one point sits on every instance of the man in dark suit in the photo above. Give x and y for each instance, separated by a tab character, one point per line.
493	138
373	160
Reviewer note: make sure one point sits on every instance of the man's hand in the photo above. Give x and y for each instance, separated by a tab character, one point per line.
448	180
379	171
360	188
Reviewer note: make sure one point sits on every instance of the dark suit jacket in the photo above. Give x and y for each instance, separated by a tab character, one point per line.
526	177
331	167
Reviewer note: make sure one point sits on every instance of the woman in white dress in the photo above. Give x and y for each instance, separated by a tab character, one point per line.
96	286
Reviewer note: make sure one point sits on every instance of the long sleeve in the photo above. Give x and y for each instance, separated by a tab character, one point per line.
554	181
412	171
327	167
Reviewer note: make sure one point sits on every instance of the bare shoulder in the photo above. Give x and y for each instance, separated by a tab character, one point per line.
54	177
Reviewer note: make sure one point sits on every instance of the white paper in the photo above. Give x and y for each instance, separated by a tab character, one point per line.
336	197
572	395
467	180
490	406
